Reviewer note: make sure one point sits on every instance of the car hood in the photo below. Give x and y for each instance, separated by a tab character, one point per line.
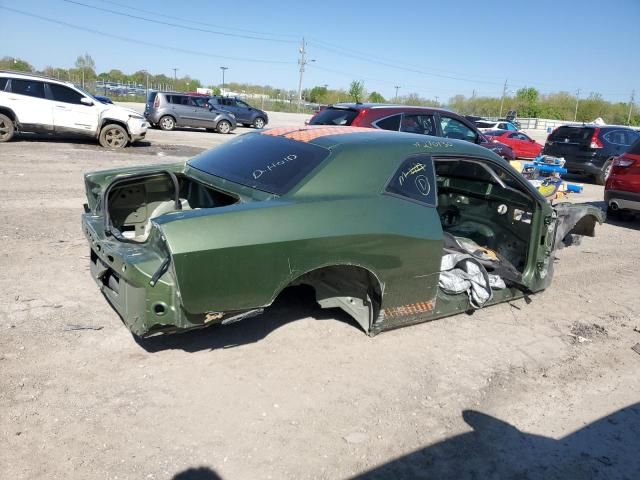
118	111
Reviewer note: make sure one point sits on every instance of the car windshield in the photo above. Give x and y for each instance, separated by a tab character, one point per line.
334	116
262	161
86	93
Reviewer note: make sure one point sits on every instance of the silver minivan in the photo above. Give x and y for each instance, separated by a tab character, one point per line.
168	110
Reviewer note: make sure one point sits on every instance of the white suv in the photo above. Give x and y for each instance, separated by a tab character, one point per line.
33	103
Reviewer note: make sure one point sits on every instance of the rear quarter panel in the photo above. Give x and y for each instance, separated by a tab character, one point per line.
242	256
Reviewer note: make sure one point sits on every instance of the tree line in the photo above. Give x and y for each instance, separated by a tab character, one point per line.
528	102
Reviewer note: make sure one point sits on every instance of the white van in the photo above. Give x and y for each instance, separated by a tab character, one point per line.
34	103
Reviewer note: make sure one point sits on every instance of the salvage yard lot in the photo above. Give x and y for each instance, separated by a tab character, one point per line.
301	392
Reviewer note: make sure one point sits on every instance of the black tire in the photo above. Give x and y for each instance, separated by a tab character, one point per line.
223	127
601	178
259	122
7	128
167	123
113	136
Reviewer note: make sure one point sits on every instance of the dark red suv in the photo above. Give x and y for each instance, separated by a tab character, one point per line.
425	120
622	190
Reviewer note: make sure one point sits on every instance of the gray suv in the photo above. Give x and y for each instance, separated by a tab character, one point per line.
168	110
245	114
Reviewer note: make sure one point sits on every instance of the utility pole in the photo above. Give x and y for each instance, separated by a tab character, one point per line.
437	100
175	77
504	92
224	69
575	115
302	61
633	95
147	90
397	87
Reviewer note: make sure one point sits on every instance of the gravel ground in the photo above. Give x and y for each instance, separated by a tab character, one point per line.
547	389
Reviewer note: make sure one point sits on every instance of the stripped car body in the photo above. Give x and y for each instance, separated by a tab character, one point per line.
360	215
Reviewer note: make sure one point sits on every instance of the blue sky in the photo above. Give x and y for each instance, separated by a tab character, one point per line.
433	48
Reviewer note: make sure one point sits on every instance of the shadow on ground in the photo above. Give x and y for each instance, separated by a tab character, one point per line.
199	473
294	303
144	147
605	449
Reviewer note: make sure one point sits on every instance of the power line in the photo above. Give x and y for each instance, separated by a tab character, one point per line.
408	69
315	66
143	42
176	25
394	63
191	20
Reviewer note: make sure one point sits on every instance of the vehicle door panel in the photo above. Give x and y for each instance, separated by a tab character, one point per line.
69	113
205	115
229	105
181	109
27	99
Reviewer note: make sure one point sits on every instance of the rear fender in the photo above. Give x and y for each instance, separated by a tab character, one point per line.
575	220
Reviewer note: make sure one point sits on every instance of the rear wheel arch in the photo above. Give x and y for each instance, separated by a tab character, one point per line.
601	177
354	289
9	113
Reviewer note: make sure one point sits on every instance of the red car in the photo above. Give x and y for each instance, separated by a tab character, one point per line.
403	118
522	145
622	189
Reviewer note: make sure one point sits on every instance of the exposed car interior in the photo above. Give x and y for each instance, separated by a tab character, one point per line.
484	205
132	204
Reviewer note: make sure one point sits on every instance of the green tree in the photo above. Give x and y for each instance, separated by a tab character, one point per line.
375	97
318	94
87	67
527	102
16	64
356	90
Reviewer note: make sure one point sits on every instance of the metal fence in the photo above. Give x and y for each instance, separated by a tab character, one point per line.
548	124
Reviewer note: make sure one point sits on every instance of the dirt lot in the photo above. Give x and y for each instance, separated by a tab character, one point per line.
548	389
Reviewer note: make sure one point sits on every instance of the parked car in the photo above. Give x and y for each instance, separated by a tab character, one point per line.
474	118
522	145
486	125
103	99
424	120
245	114
39	104
365	217
622	189
590	149
168	110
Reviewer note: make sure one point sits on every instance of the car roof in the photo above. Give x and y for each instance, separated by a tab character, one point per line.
29	75
333	136
376	153
382	106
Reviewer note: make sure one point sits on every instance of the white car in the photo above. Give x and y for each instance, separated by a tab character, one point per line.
486	125
33	103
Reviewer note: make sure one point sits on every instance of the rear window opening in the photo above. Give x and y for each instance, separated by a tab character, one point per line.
132	204
262	161
487	208
334	116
